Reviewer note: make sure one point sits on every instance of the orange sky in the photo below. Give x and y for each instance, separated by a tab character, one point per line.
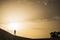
32	17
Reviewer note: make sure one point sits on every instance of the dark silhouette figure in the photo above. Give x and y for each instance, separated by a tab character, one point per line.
14	32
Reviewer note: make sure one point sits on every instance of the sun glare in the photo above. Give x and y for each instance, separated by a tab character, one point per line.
13	26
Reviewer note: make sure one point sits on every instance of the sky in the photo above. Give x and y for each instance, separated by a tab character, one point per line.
35	18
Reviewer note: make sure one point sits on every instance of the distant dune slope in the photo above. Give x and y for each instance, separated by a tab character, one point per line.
7	36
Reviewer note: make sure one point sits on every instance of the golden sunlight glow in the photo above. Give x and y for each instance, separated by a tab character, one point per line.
13	26
31	19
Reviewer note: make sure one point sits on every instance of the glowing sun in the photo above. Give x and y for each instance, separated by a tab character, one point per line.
13	26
